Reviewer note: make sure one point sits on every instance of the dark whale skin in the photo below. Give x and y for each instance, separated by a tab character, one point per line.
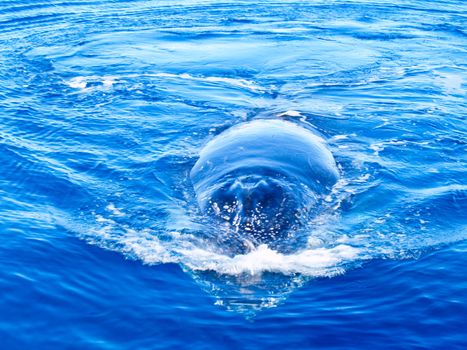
263	178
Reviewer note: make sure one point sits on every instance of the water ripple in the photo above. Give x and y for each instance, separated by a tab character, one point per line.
104	107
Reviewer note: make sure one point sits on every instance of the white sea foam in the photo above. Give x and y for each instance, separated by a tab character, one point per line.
186	249
290	113
87	83
309	262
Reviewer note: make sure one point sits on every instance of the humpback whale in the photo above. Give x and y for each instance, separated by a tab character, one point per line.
263	179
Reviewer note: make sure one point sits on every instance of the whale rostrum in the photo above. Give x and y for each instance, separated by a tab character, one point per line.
263	179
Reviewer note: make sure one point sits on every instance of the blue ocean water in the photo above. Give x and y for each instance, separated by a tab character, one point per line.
104	108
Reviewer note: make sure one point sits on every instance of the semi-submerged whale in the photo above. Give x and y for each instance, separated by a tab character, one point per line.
261	181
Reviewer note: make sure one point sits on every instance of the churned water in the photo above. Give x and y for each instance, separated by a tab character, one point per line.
104	108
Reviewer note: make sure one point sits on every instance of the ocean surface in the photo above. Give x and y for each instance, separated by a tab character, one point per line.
104	108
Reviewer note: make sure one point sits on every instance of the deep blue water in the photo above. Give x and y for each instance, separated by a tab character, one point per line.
104	108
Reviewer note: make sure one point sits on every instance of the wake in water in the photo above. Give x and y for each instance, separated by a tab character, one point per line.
116	124
221	231
244	282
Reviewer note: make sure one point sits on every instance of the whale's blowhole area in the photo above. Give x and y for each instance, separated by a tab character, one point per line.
261	181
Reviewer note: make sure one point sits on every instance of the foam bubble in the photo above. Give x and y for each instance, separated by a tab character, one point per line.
309	262
195	254
87	83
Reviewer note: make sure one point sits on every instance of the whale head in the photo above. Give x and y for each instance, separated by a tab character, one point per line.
262	179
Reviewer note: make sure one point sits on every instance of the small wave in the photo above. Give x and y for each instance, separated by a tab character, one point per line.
88	83
197	255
